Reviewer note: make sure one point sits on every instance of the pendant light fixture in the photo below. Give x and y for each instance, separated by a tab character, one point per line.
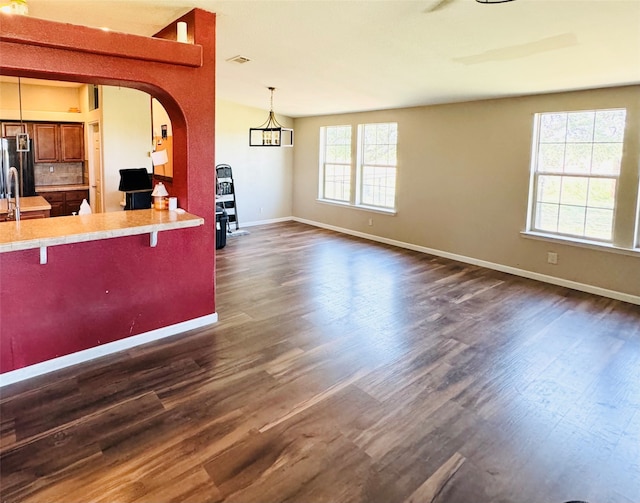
270	133
22	139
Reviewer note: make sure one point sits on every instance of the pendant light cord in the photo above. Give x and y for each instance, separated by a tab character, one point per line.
20	98
20	186
271	122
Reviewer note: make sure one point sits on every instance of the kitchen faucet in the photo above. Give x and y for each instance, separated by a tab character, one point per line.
16	192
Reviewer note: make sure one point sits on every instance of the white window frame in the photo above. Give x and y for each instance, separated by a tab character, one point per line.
380	167
322	182
357	197
625	231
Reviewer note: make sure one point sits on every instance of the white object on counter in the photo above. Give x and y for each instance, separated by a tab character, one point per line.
85	209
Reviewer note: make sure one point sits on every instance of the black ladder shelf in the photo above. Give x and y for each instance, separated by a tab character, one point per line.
226	193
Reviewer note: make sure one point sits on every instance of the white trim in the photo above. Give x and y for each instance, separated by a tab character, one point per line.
264	222
581	243
86	355
362	207
612	294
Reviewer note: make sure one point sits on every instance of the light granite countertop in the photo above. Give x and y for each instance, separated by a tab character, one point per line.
57	188
29	203
43	232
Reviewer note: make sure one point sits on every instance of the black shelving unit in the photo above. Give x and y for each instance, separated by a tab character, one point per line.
226	194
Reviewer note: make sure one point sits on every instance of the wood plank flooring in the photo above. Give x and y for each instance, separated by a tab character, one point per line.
346	371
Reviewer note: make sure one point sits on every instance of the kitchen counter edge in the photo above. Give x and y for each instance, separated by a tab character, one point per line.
38	233
59	188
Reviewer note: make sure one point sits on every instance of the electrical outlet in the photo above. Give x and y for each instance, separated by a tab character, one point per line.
371	221
552	258
50	169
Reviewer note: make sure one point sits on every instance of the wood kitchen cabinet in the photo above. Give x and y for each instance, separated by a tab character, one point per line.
11	129
46	142
65	202
56	200
73	200
72	142
58	142
32	215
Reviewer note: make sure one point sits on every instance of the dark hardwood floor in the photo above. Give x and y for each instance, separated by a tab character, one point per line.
346	371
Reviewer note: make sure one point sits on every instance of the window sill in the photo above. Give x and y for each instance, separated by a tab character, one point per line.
371	209
581	243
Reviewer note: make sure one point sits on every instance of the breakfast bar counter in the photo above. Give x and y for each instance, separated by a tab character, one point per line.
30	234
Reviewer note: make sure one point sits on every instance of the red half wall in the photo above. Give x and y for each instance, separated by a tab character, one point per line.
92	293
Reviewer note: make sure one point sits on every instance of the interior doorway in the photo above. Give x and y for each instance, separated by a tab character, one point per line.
95	173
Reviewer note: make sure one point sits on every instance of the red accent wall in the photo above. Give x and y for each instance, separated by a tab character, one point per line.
96	292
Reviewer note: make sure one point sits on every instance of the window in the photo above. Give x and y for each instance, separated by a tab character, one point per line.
336	163
576	166
374	172
377	159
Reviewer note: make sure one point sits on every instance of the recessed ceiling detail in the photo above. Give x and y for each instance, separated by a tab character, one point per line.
521	50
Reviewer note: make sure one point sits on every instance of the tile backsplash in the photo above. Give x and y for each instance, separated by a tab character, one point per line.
64	173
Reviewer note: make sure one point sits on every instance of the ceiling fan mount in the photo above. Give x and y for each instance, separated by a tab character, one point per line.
441	4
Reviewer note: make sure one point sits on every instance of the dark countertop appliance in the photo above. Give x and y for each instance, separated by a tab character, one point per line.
136	184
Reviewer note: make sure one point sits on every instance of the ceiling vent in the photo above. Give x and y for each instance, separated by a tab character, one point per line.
238	59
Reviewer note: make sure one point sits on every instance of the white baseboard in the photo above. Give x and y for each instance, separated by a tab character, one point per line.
264	222
105	349
603	292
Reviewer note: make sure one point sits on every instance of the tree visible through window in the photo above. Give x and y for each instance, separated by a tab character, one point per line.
378	159
375	170
336	163
576	169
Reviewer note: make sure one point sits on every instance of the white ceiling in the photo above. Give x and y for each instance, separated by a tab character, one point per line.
333	56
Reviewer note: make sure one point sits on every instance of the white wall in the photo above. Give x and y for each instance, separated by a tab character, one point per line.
262	175
126	137
160	117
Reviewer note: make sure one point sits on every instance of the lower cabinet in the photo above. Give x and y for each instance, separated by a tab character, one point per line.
65	202
56	200
30	215
73	200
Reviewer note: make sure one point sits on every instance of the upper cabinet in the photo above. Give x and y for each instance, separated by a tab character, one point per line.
52	141
72	142
58	142
11	129
46	142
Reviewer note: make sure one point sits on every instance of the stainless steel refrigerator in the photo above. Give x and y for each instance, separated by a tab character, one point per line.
22	161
